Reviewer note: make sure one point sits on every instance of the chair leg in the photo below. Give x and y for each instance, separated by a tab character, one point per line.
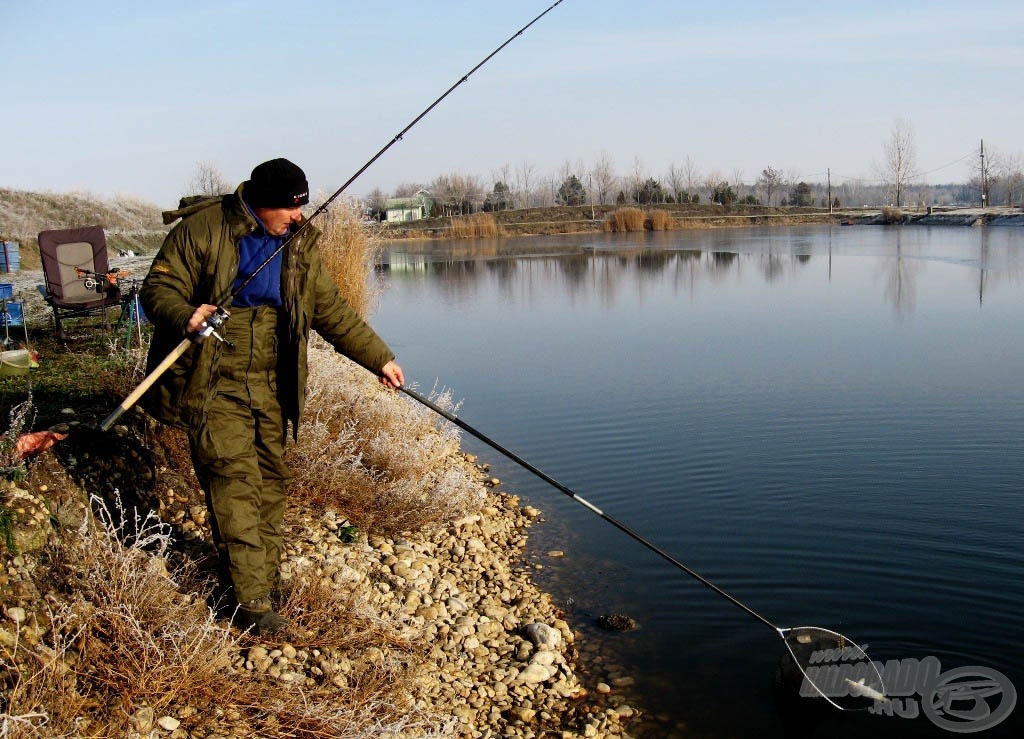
58	328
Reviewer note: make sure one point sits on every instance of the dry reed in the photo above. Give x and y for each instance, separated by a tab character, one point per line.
659	220
349	249
892	215
476	226
624	219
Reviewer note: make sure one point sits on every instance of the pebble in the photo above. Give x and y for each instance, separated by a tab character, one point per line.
544	636
168	723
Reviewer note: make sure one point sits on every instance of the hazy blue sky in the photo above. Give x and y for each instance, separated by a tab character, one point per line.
126	98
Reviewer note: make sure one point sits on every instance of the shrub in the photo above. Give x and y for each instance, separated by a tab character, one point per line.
892	215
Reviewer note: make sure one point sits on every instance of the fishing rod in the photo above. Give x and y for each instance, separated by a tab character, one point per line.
215	321
832	665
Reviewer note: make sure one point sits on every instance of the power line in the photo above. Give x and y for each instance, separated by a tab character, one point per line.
879	181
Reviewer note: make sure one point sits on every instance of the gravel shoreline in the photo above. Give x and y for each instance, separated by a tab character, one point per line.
502	658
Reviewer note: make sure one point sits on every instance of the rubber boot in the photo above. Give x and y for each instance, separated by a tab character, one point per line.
258	617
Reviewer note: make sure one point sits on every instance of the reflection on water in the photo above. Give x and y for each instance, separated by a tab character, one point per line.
598	265
826	422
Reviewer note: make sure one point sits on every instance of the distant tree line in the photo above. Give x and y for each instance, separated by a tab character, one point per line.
897	180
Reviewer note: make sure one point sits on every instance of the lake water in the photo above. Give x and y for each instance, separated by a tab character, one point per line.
827	422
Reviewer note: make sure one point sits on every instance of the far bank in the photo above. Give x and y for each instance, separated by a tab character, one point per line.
612	218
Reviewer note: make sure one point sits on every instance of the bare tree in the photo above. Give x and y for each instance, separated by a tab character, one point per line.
636	179
207	179
711	182
691	174
899	166
676	181
457	194
408	189
525	175
603	176
375	199
1011	175
770	182
737	182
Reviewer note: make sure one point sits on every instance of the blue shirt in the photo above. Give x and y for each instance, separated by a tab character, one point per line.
253	250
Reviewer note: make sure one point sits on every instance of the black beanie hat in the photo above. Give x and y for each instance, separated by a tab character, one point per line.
277	184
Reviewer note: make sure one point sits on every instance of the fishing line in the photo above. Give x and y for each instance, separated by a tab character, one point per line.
831	665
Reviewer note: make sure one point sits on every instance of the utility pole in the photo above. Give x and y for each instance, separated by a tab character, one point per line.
984	177
828	173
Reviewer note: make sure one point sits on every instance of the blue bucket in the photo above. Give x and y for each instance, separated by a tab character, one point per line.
12	314
10	256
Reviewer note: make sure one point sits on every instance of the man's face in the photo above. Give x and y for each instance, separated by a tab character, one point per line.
277	220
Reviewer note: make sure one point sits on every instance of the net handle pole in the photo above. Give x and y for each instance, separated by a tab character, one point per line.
590	506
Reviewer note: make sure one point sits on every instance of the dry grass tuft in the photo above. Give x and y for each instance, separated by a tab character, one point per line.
476	226
624	219
370	454
349	249
892	215
659	220
332	612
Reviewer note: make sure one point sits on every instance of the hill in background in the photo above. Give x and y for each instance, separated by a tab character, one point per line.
130	224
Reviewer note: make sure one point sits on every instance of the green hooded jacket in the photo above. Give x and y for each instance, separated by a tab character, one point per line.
197	264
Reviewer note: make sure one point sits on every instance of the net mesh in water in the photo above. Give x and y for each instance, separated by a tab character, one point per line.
832	667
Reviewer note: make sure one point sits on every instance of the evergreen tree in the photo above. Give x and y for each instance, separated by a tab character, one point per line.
572	192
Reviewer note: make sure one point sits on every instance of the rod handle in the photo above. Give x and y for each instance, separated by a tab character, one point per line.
146	383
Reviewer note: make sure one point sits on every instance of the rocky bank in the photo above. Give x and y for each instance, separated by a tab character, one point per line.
500	659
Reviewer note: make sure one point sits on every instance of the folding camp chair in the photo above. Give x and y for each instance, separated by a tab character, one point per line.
75	266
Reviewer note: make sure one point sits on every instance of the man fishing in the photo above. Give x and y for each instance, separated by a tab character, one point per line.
236	397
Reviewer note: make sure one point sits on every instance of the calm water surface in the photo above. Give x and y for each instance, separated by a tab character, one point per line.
826	422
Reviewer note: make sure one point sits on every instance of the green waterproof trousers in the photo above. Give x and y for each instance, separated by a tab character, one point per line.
237	454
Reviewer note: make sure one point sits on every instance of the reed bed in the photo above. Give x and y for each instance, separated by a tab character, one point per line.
476	226
659	220
624	219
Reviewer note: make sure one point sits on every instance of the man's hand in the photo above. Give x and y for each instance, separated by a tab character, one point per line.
198	319
391	375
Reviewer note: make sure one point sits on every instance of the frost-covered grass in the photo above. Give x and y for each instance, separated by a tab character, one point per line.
369	453
121	633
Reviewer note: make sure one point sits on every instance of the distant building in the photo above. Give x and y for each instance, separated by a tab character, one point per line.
409	209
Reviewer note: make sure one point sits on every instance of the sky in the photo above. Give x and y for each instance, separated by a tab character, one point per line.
126	99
